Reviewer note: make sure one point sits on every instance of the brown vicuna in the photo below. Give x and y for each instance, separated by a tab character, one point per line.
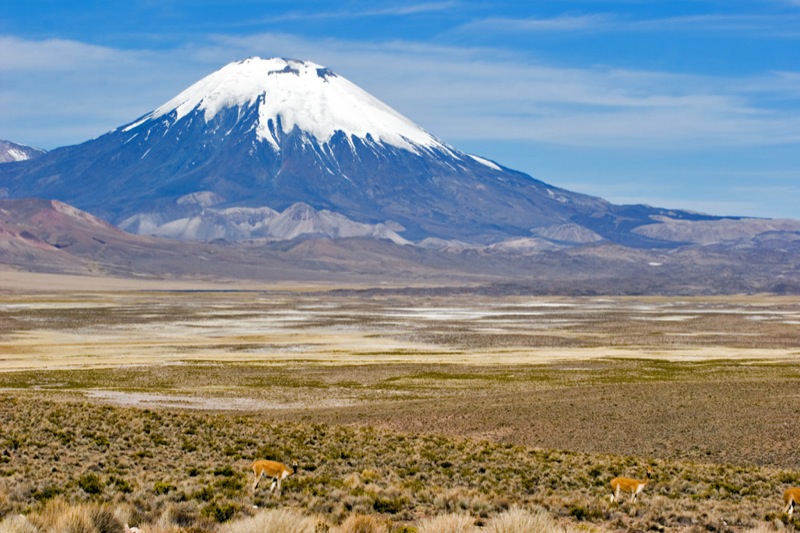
271	469
791	498
626	484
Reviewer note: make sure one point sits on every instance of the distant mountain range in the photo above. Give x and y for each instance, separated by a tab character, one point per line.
52	237
275	148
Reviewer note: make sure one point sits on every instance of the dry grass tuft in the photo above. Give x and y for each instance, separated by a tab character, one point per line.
447	523
273	521
518	520
362	524
17	524
62	516
766	528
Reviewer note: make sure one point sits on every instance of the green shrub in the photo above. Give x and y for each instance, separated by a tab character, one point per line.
90	483
389	505
122	485
223	471
162	487
229	485
206	494
582	513
46	493
219	512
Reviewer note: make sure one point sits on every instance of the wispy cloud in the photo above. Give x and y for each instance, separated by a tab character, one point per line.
398	10
456	93
777	25
410	9
56	54
57	92
554	24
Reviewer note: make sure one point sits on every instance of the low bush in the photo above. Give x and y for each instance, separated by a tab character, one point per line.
91	483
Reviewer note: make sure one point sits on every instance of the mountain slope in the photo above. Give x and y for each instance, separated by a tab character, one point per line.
269	134
12	152
48	236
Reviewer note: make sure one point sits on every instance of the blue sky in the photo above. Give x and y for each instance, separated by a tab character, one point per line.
683	104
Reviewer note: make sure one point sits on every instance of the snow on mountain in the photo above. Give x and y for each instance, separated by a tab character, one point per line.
10	152
293	94
486	162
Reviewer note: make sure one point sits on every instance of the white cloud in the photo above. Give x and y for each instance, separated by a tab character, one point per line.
402	9
455	93
397	10
560	23
783	25
59	92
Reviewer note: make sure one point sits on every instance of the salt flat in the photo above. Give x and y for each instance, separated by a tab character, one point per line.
100	329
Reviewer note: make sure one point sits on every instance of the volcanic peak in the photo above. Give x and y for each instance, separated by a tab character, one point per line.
291	93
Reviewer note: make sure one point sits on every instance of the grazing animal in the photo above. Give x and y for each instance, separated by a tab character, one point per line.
272	469
626	484
791	498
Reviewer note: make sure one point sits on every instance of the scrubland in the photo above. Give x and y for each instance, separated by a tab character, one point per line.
405	412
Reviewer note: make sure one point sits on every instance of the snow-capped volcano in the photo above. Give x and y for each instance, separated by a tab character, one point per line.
282	142
291	94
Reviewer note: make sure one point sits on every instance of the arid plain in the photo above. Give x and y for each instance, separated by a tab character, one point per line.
401	403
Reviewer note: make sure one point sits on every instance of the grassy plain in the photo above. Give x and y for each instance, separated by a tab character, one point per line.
403	405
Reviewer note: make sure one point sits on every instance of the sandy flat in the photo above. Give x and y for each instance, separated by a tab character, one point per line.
142	324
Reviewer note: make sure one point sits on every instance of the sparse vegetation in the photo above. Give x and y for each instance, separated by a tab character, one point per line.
412	443
396	478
